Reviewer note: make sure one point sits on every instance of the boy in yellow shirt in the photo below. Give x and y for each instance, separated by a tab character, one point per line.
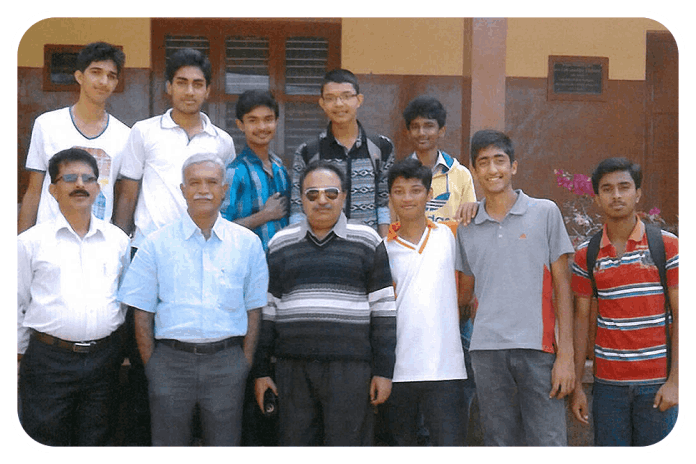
452	183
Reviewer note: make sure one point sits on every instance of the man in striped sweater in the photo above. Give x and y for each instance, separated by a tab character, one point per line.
330	321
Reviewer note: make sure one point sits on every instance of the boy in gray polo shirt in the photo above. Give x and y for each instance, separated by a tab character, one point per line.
514	257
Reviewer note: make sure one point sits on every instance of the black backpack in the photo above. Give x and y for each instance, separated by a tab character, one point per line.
656	245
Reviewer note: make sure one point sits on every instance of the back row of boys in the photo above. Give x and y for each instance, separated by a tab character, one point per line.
509	360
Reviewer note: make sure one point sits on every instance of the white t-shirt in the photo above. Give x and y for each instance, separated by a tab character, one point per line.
155	152
55	131
428	343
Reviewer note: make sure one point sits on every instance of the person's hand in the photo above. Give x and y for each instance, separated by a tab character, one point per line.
667	396
276	207
578	405
466	213
380	389
260	386
562	377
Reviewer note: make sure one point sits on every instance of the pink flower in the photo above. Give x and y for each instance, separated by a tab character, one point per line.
654	212
579	184
582	185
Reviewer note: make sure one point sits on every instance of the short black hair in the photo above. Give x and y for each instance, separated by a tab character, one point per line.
326	165
100	51
487	138
425	107
251	99
610	165
410	168
340	76
70	155
188	57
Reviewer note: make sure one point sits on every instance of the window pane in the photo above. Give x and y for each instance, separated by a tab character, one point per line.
305	62
172	43
63	66
231	127
302	122
246	64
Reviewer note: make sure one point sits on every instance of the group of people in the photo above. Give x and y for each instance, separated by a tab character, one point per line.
352	291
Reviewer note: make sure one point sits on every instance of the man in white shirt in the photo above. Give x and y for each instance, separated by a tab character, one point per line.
150	172
68	317
429	372
84	125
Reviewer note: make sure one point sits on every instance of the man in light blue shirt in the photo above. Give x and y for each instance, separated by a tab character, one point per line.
198	285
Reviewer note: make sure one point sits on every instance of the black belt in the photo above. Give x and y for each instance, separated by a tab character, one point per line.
203	348
76	347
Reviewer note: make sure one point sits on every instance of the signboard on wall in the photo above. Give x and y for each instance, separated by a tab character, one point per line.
577	78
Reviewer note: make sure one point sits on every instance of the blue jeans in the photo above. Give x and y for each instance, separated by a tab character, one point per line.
513	388
624	415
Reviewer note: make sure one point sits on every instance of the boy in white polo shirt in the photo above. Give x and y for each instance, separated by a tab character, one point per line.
429	372
157	148
515	256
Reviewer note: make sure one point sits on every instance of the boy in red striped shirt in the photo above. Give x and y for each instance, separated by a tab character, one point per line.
634	396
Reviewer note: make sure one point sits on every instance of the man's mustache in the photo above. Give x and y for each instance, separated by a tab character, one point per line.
82	192
200	196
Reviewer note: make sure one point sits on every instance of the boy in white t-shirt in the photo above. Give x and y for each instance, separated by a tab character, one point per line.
429	370
84	125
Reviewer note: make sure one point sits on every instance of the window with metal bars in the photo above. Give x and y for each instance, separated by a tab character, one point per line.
287	57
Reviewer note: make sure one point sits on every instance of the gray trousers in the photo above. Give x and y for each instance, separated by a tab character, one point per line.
177	380
513	388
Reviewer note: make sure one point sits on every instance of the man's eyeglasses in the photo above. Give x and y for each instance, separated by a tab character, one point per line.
331	193
72	178
344	97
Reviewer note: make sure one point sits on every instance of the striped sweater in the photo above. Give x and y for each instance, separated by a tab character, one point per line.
329	300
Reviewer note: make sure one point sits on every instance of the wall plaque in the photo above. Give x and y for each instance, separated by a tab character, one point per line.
577	78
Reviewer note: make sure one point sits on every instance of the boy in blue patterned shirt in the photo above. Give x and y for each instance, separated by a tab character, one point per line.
259	183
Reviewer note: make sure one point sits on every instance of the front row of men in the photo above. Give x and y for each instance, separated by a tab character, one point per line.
354	322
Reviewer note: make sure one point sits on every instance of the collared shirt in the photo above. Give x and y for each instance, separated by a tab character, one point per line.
251	186
155	152
66	285
428	343
452	185
367	201
511	263
329	299
55	131
630	344
200	290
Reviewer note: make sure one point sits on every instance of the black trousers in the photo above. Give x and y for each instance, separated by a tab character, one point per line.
324	403
67	398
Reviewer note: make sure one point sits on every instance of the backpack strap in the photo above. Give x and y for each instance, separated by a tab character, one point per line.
656	245
314	151
592	252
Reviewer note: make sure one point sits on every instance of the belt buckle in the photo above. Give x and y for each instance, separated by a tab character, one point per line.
196	351
82	347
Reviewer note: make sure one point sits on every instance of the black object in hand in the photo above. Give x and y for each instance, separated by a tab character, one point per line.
270	403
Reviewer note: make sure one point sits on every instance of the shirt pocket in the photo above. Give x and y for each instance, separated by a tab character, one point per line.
231	289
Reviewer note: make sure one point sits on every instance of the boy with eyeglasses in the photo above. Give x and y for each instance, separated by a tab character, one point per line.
330	321
364	158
